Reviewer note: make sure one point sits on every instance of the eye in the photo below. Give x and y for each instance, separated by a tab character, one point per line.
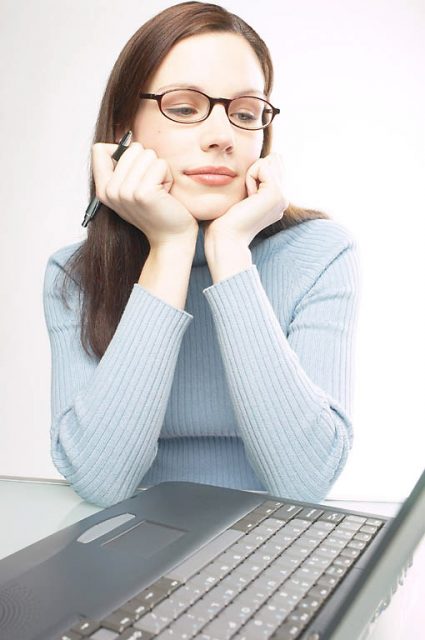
182	111
244	116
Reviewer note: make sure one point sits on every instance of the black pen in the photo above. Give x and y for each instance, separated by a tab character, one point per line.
95	203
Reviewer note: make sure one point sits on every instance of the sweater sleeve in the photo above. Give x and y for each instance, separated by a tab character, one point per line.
291	393
107	414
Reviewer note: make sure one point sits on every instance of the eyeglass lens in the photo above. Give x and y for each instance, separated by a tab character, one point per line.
191	106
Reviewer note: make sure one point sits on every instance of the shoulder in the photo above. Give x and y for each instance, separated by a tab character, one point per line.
61	256
313	242
56	264
303	252
314	238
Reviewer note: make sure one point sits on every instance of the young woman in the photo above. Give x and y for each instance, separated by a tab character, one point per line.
204	329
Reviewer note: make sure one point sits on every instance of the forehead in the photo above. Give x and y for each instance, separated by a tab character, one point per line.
220	63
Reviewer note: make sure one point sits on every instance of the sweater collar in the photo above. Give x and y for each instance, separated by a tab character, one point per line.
199	258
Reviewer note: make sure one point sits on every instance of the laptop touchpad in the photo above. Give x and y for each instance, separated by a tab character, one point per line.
145	538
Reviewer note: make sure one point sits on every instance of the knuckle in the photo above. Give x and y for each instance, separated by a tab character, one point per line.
126	194
111	192
140	196
150	154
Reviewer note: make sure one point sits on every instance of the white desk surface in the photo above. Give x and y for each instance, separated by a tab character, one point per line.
50	506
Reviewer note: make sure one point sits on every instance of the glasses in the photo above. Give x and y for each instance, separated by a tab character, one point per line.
188	106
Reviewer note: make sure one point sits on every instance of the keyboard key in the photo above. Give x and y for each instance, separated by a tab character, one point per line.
245	525
134	608
327	581
135	634
374	522
319	592
336	571
350	553
343	562
325	551
368	529
117	621
256	595
269	506
70	635
206	554
224	593
350	526
255	630
296	587
154	593
310	514
364	537
297	526
104	634
274	523
271	617
356	544
354	518
186	627
309	603
224	626
86	627
287	512
332	516
335	542
342	534
323	525
303	579
288	631
300	617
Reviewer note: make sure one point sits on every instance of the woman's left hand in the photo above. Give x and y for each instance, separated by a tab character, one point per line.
264	205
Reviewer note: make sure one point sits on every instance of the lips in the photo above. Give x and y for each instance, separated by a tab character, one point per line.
221	171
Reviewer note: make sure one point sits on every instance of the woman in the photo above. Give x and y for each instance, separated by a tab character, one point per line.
214	338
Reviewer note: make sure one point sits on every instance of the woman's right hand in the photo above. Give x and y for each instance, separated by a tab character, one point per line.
137	189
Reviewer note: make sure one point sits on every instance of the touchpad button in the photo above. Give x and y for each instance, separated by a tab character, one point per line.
145	538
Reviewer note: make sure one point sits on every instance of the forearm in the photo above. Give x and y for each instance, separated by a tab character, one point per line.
296	435
166	272
107	418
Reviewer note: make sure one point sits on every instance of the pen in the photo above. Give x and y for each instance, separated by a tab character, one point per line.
95	203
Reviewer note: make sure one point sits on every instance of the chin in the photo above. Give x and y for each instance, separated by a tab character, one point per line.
208	206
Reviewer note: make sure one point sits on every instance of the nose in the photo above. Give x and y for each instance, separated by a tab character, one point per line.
217	131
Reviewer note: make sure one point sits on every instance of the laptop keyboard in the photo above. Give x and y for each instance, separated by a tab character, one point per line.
264	577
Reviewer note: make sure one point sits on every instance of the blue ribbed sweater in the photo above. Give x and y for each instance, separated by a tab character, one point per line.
249	387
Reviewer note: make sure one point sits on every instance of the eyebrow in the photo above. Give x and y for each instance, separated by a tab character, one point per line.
182	85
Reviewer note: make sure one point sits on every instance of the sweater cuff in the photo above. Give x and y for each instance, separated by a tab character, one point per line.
235	293
159	304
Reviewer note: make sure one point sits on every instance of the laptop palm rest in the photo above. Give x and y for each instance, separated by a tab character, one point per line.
145	538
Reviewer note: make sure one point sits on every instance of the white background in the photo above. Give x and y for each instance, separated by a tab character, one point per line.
350	85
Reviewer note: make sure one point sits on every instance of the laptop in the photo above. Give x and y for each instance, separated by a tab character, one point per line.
186	560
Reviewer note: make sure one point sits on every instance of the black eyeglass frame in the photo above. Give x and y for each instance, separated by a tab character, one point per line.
213	101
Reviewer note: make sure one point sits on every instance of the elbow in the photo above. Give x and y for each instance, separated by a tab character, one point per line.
91	487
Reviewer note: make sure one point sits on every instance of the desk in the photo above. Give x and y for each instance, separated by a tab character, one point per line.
50	506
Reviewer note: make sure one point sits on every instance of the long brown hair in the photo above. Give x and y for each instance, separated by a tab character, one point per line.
109	262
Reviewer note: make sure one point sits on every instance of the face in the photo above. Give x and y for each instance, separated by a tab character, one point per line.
222	65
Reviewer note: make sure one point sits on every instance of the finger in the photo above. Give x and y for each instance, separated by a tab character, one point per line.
158	174
129	158
251	184
251	177
129	172
102	167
